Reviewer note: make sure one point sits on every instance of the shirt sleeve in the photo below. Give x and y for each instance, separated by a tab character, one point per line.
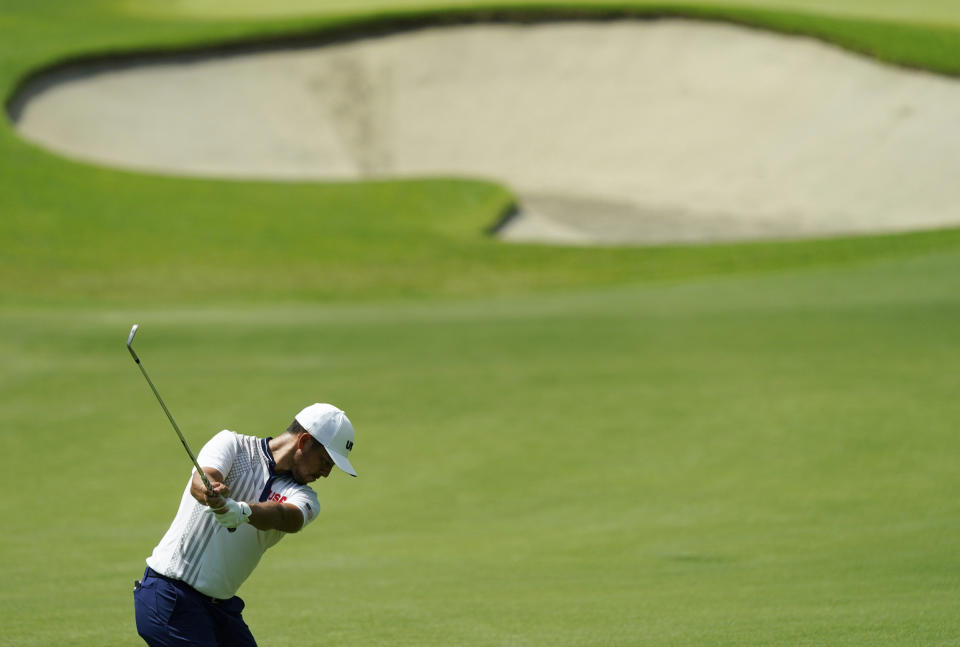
219	452
305	499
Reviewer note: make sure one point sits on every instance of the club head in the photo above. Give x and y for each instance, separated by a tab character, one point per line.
133	331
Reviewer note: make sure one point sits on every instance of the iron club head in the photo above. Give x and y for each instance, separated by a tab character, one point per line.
133	331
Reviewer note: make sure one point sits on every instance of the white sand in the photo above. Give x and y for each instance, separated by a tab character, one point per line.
640	132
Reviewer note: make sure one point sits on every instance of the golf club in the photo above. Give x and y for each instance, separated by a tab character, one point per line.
133	353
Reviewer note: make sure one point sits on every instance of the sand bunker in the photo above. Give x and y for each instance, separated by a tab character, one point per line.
623	132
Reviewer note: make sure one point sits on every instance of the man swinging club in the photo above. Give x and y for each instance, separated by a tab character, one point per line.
188	592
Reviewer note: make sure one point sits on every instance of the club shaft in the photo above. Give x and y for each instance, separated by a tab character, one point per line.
173	422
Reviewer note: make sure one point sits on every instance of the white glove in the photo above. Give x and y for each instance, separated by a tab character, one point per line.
233	514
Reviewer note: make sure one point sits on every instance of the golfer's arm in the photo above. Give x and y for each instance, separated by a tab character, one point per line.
271	515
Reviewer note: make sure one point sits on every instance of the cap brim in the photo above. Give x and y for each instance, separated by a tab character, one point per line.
341	462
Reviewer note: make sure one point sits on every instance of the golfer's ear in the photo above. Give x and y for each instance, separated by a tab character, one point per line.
305	441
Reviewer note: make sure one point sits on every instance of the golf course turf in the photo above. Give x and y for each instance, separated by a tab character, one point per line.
690	445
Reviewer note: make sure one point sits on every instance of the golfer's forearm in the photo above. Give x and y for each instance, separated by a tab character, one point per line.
275	516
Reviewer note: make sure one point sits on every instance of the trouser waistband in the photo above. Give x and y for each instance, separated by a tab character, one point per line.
149	572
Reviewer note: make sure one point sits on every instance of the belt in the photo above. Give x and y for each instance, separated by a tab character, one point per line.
182	585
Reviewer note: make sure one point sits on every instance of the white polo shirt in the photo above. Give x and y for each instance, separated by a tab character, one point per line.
201	552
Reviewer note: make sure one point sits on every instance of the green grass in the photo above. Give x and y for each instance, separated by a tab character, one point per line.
925	11
111	238
763	460
740	444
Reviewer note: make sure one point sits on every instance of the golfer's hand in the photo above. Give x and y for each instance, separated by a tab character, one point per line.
217	498
232	513
209	496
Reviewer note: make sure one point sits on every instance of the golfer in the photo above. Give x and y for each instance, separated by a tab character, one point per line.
188	592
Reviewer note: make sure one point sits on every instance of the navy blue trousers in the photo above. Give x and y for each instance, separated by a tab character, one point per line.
171	613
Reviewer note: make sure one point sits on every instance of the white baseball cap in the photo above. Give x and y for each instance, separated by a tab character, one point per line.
332	429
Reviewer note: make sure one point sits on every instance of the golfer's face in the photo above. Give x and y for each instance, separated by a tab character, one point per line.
312	462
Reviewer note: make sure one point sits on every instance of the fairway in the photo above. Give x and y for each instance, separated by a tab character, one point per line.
764	460
731	444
